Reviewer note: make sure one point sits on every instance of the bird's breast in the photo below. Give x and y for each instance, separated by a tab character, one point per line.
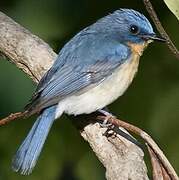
104	93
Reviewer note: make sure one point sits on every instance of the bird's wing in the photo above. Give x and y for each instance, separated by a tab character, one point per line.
76	77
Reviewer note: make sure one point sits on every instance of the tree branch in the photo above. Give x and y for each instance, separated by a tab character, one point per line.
160	28
152	146
12	117
121	158
27	51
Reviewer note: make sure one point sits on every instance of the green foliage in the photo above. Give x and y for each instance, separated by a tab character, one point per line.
173	5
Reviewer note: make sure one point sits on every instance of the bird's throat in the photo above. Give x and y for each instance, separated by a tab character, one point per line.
138	48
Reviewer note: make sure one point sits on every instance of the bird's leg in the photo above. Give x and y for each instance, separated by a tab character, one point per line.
105	112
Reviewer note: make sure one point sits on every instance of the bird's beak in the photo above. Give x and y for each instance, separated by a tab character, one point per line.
152	37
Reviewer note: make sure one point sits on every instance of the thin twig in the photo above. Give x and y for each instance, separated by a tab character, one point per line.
159	173
164	161
160	28
12	117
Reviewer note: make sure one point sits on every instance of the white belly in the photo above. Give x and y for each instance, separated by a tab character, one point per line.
103	94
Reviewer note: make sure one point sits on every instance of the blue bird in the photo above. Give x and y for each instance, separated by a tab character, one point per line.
91	71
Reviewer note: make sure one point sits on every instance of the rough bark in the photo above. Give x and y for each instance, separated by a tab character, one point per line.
121	158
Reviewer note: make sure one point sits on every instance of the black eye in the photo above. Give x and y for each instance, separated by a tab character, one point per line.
134	29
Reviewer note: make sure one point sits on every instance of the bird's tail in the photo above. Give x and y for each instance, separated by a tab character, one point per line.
29	151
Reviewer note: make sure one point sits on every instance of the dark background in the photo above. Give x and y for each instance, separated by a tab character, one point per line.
151	102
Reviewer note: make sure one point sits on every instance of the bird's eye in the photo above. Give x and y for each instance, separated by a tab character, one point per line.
134	29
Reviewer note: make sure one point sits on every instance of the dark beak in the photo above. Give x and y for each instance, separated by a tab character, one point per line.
152	37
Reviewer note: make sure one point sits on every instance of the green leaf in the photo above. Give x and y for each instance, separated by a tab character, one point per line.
173	5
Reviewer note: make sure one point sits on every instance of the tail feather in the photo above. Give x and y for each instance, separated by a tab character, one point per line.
26	157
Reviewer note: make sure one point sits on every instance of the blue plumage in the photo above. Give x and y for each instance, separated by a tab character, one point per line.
29	151
93	69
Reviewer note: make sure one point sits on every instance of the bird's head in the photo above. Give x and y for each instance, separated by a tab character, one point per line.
128	26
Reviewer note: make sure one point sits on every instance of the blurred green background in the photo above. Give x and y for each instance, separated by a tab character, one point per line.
151	102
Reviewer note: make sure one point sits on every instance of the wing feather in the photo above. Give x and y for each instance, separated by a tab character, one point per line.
79	71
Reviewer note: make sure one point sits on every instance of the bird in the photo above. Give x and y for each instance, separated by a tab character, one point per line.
91	71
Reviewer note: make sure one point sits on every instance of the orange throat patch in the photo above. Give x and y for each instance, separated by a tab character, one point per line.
138	48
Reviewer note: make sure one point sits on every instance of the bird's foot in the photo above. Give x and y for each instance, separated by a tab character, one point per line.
106	123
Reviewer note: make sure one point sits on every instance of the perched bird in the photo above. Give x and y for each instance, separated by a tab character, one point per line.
91	71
